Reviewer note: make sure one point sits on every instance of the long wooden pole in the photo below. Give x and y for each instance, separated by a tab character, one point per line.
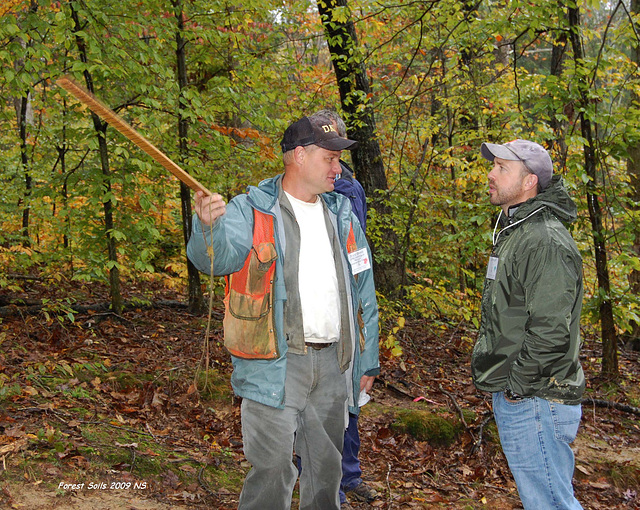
108	115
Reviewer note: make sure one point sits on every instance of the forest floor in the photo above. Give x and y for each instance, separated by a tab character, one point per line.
104	414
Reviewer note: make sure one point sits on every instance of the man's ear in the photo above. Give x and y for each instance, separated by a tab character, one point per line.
299	154
531	182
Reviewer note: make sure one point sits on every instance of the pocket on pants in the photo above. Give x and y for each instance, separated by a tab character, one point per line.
566	420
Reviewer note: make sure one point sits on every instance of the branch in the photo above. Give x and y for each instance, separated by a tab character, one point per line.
21	307
594	402
204	484
488	416
604	41
393	387
456	405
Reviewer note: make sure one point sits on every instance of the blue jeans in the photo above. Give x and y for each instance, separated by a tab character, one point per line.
313	418
535	435
351	471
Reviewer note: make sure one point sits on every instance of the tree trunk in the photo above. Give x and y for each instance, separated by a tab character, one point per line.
24	160
355	95
196	299
64	192
558	53
633	169
25	117
607	323
101	132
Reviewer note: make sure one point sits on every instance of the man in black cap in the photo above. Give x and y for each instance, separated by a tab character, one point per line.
293	250
528	344
352	481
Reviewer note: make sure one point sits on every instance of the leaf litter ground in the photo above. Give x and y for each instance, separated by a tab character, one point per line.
104	413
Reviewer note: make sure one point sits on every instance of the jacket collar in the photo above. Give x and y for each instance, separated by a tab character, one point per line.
265	195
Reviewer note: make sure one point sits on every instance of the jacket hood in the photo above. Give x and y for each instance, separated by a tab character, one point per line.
555	197
346	173
264	195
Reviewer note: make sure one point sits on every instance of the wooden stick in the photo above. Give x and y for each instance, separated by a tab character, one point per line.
108	115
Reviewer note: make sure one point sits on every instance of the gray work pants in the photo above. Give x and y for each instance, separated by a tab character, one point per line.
313	418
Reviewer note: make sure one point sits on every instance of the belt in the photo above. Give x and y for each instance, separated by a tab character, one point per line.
318	345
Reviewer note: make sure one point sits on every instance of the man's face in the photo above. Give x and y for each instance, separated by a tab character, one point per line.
321	166
506	183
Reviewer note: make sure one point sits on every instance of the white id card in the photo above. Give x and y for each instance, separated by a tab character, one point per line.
492	268
359	261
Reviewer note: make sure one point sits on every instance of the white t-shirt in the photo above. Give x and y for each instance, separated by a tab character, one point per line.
317	279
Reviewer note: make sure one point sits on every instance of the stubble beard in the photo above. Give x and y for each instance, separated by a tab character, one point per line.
505	196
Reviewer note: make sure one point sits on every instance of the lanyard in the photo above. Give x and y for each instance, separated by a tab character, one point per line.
495	237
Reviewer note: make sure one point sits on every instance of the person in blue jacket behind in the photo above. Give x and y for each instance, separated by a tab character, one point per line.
298	361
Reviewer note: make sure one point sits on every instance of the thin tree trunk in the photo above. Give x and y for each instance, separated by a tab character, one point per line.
24	160
24	114
101	132
355	94
558	53
607	323
196	299
62	154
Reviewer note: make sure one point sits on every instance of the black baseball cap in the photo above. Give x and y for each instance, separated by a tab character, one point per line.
305	132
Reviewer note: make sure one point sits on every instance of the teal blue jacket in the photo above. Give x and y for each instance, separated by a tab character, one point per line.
231	237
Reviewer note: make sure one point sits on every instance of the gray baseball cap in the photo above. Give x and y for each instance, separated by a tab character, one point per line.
534	156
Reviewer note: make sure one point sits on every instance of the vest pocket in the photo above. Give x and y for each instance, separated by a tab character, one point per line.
248	320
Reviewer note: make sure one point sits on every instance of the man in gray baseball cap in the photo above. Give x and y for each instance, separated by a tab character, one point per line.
527	351
533	155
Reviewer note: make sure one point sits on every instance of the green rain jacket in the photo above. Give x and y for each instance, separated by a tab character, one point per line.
529	337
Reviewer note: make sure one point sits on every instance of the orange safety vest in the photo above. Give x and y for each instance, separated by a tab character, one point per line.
248	320
248	317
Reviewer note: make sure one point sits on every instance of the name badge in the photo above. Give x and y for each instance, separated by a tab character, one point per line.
359	261
492	268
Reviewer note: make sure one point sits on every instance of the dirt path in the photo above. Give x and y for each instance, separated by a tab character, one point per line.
32	496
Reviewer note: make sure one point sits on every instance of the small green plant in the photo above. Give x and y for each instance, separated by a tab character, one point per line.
48	434
392	320
8	391
60	309
140	301
6	283
80	392
391	342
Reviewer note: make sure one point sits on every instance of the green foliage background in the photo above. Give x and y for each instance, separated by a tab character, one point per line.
445	76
